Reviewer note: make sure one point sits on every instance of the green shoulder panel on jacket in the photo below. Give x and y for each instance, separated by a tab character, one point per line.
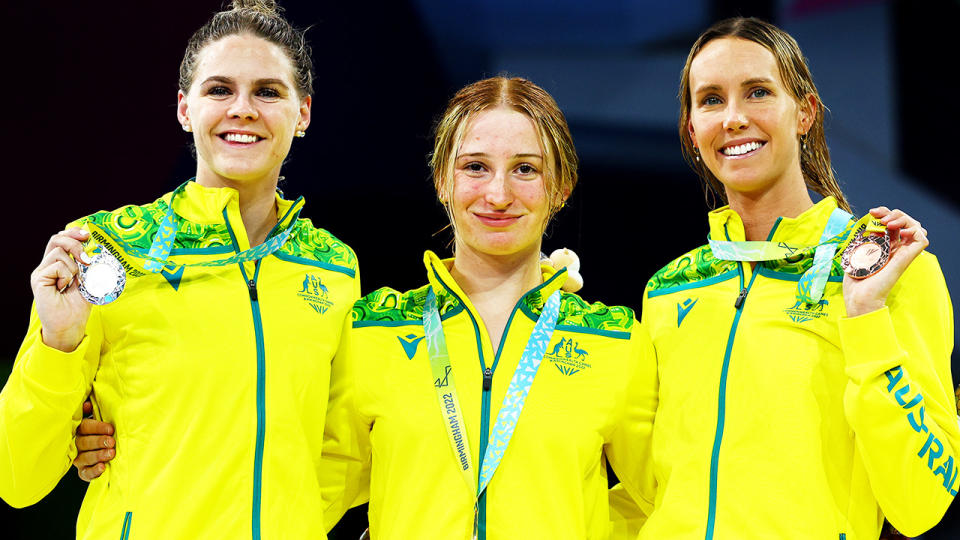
309	242
700	264
385	306
693	266
575	311
135	226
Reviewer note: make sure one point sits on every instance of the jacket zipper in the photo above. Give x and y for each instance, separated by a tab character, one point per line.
485	419
261	400
721	402
485	393
251	284
125	530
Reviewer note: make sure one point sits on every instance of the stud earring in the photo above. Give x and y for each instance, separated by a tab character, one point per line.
301	133
187	128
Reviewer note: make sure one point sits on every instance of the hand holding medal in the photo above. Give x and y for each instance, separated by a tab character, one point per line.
874	262
62	310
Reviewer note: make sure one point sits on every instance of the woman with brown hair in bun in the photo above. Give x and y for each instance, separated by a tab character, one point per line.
183	319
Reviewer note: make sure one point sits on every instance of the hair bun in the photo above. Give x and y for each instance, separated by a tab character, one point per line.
267	7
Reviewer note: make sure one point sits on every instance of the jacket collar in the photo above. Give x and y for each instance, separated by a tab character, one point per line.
438	274
205	205
804	229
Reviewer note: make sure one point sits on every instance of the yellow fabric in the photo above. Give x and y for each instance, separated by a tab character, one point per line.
176	372
552	482
814	442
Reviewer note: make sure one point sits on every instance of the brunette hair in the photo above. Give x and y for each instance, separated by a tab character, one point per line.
524	97
814	154
261	18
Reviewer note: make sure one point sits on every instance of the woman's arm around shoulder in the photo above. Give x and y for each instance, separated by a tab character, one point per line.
629	449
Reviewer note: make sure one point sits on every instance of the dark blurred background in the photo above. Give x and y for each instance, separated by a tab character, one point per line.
92	126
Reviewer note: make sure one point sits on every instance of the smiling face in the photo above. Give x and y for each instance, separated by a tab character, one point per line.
499	202
244	109
743	120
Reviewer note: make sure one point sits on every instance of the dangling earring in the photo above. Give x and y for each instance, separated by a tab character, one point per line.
696	154
803	142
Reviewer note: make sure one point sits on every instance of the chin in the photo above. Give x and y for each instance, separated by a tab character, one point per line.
746	184
243	173
495	246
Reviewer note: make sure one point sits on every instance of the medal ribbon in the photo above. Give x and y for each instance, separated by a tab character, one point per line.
838	232
446	390
513	401
156	258
519	388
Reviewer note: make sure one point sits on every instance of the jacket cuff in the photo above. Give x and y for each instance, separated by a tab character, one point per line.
55	370
869	344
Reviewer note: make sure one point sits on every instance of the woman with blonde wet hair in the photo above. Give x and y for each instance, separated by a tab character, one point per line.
805	392
488	401
190	338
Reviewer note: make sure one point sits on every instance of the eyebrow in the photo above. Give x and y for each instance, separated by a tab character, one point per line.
258	82
484	154
748	82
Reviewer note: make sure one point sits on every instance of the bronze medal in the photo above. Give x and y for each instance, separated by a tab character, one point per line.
866	255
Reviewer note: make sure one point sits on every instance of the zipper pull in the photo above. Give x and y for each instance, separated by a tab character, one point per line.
253	290
487	378
740	298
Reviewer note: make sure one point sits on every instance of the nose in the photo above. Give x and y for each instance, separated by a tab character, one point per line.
735	119
243	107
499	193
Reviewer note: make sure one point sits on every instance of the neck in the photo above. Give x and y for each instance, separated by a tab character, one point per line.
760	210
494	284
481	275
258	208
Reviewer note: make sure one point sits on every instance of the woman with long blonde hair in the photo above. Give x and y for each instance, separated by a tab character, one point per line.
804	355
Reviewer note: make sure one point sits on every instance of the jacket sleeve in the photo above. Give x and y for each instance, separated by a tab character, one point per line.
629	449
899	398
40	409
345	462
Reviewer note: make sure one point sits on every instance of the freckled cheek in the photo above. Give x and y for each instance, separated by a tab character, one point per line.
466	190
533	195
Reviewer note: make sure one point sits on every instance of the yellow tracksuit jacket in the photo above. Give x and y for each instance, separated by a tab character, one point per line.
593	399
786	420
216	381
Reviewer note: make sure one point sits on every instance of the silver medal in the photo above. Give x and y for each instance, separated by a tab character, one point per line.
102	281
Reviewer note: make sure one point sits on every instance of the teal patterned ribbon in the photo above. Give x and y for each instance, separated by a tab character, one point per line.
518	390
810	287
513	401
156	258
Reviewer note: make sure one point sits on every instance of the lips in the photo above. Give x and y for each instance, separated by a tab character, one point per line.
236	137
497	220
741	149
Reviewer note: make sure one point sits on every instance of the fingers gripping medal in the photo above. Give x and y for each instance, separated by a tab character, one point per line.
101	281
866	254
